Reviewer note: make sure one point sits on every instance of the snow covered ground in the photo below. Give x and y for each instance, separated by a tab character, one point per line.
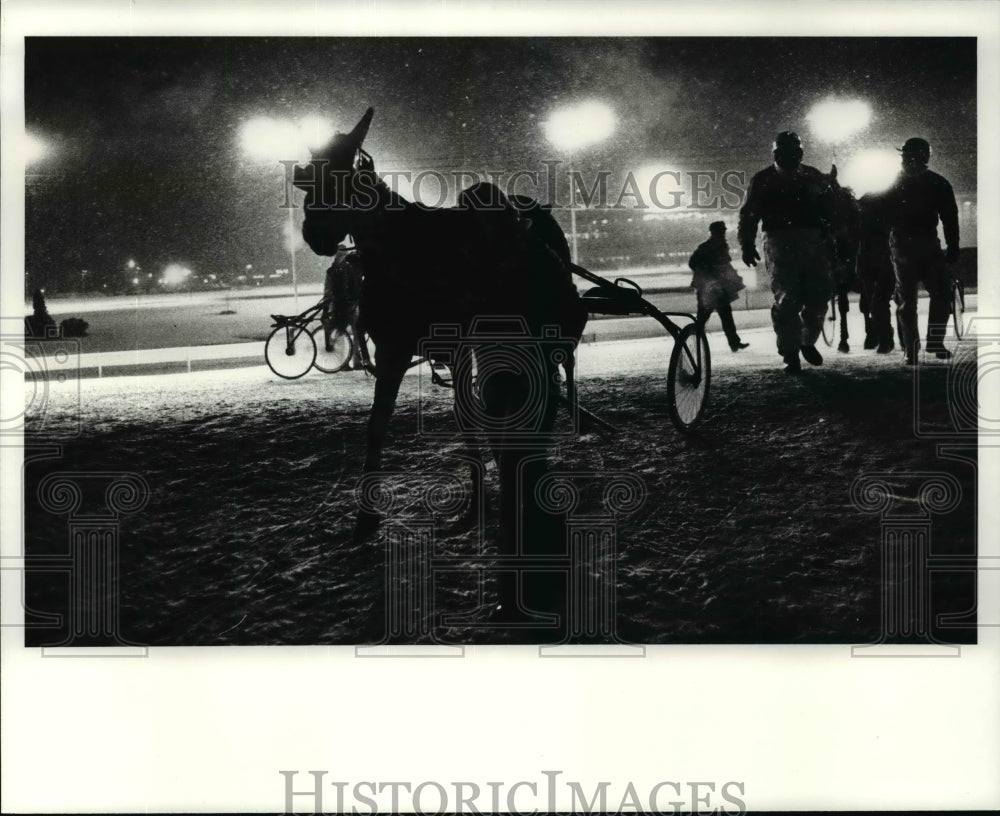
748	531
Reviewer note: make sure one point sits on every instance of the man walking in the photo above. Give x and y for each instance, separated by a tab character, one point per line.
795	205
716	283
914	204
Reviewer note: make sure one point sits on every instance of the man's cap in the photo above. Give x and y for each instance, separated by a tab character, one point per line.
787	140
717	226
915	146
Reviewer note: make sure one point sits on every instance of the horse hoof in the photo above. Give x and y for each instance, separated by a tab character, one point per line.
843	347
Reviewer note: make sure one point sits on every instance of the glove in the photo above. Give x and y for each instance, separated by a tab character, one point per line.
951	256
750	256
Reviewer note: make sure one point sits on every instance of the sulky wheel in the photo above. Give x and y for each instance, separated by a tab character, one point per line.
958	307
290	352
830	323
688	377
341	350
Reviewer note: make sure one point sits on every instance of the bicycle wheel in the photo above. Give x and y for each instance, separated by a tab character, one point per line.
958	307
339	355
830	323
688	377
290	351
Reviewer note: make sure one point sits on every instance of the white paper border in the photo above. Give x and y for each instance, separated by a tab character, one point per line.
208	729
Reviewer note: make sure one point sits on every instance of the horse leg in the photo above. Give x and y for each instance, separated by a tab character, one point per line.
842	306
528	528
569	366
391	367
865	304
464	412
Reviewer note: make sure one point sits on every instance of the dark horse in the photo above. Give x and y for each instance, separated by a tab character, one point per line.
477	279
845	238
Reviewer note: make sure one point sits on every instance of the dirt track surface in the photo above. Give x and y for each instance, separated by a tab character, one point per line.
748	531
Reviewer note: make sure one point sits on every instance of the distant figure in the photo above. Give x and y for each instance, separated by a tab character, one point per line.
875	273
795	203
914	203
39	324
716	282
341	295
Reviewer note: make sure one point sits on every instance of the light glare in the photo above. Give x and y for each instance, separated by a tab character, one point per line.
834	120
283	140
871	171
579	126
175	274
34	148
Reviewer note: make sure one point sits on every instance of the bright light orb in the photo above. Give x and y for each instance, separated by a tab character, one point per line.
661	186
316	131
834	120
175	274
34	148
283	140
580	125
871	171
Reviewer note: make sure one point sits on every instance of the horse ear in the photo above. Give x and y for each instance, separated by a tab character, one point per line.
357	136
833	172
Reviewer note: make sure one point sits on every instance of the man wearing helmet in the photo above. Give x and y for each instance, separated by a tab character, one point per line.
914	203
795	204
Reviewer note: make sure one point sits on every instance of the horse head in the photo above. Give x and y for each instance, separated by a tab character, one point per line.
338	180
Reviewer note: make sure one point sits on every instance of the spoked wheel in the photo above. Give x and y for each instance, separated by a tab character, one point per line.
290	351
341	350
830	323
958	307
688	377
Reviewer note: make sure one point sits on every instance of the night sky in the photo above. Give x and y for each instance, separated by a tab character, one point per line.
147	163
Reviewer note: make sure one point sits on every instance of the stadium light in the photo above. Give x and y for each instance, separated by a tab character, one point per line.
573	128
835	120
276	140
660	185
34	148
871	171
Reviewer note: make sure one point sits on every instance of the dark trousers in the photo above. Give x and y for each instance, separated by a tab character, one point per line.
726	316
920	260
878	284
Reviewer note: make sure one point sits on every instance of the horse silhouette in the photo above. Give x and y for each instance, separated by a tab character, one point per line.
489	273
845	239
